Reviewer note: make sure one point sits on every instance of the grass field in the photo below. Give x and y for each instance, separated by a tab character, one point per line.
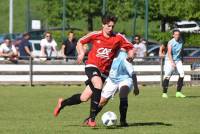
25	110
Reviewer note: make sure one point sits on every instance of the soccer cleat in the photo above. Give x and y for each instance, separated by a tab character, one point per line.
164	95
180	95
85	122
123	124
89	122
57	108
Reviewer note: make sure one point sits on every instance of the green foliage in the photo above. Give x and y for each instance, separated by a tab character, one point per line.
161	36
57	35
174	9
190	39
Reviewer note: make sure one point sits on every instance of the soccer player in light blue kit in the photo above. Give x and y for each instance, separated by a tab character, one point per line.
173	60
121	78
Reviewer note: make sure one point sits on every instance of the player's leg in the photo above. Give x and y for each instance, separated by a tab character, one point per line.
123	106
108	91
124	88
95	84
168	69
73	100
179	67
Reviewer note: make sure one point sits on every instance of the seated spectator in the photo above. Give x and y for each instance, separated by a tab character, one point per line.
140	47
48	47
69	46
8	50
24	47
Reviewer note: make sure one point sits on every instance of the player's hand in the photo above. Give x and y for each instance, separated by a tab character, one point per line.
136	91
80	58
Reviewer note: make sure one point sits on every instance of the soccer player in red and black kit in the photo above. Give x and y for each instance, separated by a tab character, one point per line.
105	45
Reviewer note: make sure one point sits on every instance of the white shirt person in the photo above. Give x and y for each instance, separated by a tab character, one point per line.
48	46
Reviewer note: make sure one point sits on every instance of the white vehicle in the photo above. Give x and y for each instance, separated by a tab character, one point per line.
35	47
187	26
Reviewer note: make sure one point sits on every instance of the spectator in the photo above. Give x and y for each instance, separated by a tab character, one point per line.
163	49
140	47
8	50
48	46
69	46
24	47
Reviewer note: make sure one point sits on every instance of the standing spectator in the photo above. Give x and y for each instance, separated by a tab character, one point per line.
24	47
173	60
163	49
140	47
8	50
69	46
48	46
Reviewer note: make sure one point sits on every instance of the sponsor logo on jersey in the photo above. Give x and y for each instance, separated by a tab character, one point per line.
103	52
98	41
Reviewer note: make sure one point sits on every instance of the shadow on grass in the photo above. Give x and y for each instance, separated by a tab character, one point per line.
130	125
150	124
192	97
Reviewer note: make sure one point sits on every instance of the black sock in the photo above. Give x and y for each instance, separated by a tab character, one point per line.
123	107
98	110
96	96
179	84
73	100
165	85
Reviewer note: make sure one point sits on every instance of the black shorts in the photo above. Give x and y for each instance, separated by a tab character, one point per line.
91	72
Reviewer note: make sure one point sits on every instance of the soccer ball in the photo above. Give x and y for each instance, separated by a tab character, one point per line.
109	119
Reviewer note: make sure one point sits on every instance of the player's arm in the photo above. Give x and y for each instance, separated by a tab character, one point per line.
63	50
169	49
132	74
128	46
81	52
80	46
135	84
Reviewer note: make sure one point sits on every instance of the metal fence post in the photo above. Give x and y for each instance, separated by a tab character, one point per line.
31	71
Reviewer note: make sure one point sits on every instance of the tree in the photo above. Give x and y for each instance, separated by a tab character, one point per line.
88	9
173	10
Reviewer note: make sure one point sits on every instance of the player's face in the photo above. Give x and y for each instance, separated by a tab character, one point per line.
108	28
71	36
48	36
176	35
7	42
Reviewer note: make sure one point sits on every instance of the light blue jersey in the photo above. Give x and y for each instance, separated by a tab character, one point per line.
176	49
121	69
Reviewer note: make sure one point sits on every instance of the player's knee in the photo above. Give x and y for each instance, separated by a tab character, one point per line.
124	90
84	98
103	101
97	82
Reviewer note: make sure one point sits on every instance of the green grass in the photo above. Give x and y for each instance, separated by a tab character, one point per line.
25	110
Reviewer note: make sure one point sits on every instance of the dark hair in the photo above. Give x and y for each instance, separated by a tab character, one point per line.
26	34
6	38
176	30
71	32
137	36
108	17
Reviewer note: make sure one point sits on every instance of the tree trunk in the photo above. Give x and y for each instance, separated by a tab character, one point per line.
163	22
90	22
